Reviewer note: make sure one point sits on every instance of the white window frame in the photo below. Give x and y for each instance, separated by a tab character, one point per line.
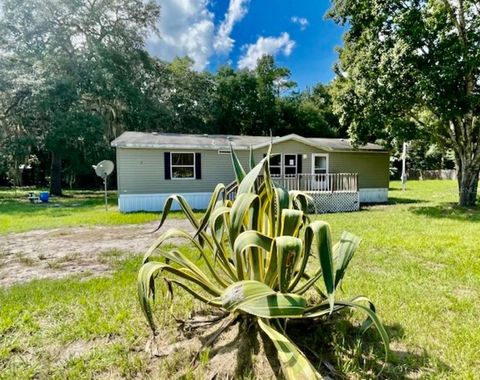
320	155
282	163
284	166
182	166
276	166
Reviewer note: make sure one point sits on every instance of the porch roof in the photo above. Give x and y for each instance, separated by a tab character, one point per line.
214	142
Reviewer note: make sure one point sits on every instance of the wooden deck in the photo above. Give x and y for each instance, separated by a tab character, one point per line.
328	183
331	192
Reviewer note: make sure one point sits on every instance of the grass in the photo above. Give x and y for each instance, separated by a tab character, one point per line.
73	328
419	262
76	208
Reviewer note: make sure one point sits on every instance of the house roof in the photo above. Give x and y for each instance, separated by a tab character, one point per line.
215	142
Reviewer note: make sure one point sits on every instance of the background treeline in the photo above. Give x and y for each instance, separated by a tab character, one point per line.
61	127
74	75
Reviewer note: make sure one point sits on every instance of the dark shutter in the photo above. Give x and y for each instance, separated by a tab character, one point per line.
166	161
299	163
198	166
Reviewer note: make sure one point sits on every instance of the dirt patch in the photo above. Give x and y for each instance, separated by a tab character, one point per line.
77	349
84	251
465	293
434	266
221	351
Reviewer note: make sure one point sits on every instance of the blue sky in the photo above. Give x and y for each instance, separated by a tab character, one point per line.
236	32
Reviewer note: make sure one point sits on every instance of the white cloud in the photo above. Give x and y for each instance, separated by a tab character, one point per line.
236	11
186	28
265	45
302	21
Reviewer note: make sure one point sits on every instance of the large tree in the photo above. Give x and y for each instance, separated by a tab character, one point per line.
236	101
309	113
188	97
77	65
413	64
247	101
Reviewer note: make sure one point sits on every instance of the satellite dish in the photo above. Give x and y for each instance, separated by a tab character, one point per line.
103	169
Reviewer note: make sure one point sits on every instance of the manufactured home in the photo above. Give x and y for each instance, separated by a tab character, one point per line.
338	176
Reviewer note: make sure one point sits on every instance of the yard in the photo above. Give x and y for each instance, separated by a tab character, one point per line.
76	208
419	261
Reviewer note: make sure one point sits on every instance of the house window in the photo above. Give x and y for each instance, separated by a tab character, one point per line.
183	165
320	164
276	165
290	164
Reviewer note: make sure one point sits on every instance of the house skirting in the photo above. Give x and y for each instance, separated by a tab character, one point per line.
155	202
324	201
340	201
374	195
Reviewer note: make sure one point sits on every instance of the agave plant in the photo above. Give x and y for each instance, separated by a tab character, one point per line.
262	254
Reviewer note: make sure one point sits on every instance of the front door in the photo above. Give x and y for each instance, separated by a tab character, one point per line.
320	172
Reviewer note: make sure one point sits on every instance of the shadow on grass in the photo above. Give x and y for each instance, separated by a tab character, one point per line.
341	351
448	211
10	206
396	200
68	205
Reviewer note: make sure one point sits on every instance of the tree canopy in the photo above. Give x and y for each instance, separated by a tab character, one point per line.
65	72
75	74
410	69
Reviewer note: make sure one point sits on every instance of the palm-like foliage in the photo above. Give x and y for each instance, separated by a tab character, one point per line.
262	255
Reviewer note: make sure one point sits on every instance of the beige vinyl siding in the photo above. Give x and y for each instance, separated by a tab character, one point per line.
292	147
372	168
141	171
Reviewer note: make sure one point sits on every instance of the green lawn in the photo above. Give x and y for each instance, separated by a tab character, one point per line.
419	261
76	208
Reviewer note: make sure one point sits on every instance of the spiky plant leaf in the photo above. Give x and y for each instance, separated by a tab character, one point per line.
276	305
288	249
146	287
184	207
343	253
249	240
214	203
242	291
295	365
175	233
255	298
251	159
249	180
321	233
237	166
300	201
260	254
291	222
238	213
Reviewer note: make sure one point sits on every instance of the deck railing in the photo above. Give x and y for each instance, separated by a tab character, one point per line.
231	190
328	182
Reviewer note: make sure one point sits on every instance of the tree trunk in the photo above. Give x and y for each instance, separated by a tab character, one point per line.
56	175
467	185
463	133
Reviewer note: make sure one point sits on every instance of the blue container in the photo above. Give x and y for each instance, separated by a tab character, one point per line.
43	196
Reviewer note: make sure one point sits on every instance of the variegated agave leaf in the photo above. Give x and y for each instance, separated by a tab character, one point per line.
256	258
